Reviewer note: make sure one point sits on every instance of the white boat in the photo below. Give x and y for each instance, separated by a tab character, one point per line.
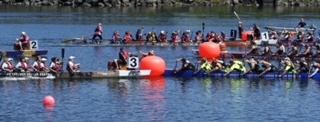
290	29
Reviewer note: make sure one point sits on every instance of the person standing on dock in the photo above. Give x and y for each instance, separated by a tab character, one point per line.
256	32
97	33
302	23
240	29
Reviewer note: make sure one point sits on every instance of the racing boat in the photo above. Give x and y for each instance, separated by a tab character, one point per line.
297	29
32	50
76	75
219	74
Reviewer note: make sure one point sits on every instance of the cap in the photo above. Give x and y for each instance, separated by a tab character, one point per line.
188	31
287	58
10	59
151	51
23	33
72	57
26	58
43	59
162	31
99	24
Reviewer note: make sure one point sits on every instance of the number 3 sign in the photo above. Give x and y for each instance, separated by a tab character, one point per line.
133	62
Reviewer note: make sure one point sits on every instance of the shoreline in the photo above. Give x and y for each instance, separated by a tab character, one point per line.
159	3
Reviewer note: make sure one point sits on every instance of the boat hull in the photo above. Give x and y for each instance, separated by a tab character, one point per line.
219	74
28	53
108	74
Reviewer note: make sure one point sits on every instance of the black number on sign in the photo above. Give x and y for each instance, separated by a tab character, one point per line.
134	73
133	62
33	44
265	35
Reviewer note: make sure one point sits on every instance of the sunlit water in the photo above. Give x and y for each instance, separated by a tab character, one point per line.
156	99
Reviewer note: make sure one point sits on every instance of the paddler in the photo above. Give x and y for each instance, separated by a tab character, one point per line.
186	65
256	32
44	67
114	65
23	41
55	66
39	65
72	67
286	37
302	23
300	37
274	35
7	65
150	53
303	66
210	36
123	56
237	66
199	37
266	51
307	51
127	37
163	36
294	50
254	49
116	39
281	49
175	37
316	67
139	34
288	67
309	38
253	66
186	36
217	65
22	65
268	67
152	37
205	66
97	33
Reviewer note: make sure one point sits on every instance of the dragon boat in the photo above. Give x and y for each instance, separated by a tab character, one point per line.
31	50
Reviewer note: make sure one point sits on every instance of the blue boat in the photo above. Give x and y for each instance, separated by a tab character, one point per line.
220	74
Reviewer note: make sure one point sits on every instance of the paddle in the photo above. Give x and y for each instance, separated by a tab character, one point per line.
175	66
62	54
203	24
235	13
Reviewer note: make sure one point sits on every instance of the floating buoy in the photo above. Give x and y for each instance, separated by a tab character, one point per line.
154	63
49	101
209	50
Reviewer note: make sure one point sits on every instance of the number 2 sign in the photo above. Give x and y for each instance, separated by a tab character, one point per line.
34	45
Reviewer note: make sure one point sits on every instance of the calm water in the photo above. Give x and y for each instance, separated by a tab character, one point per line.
156	99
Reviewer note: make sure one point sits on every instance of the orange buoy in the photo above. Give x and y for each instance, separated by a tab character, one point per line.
154	63
209	50
49	101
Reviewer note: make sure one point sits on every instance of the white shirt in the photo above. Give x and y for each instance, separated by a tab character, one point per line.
52	65
5	65
19	65
35	64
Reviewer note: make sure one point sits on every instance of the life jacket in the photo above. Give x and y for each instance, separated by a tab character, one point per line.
162	37
290	68
38	66
199	37
56	66
207	67
10	66
116	37
74	67
186	38
175	38
209	36
25	39
152	37
300	37
238	65
128	37
126	55
24	66
98	30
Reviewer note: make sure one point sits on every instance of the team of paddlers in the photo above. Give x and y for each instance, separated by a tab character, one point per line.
39	65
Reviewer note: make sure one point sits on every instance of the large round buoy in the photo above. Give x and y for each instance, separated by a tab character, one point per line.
154	63
209	50
49	101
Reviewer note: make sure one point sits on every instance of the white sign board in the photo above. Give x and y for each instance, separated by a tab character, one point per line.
34	45
264	36
133	62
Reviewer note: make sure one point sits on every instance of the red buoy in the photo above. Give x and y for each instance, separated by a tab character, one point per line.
209	50
49	101
154	63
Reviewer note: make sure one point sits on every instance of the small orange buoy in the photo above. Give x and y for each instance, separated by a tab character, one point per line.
49	101
209	50
154	63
